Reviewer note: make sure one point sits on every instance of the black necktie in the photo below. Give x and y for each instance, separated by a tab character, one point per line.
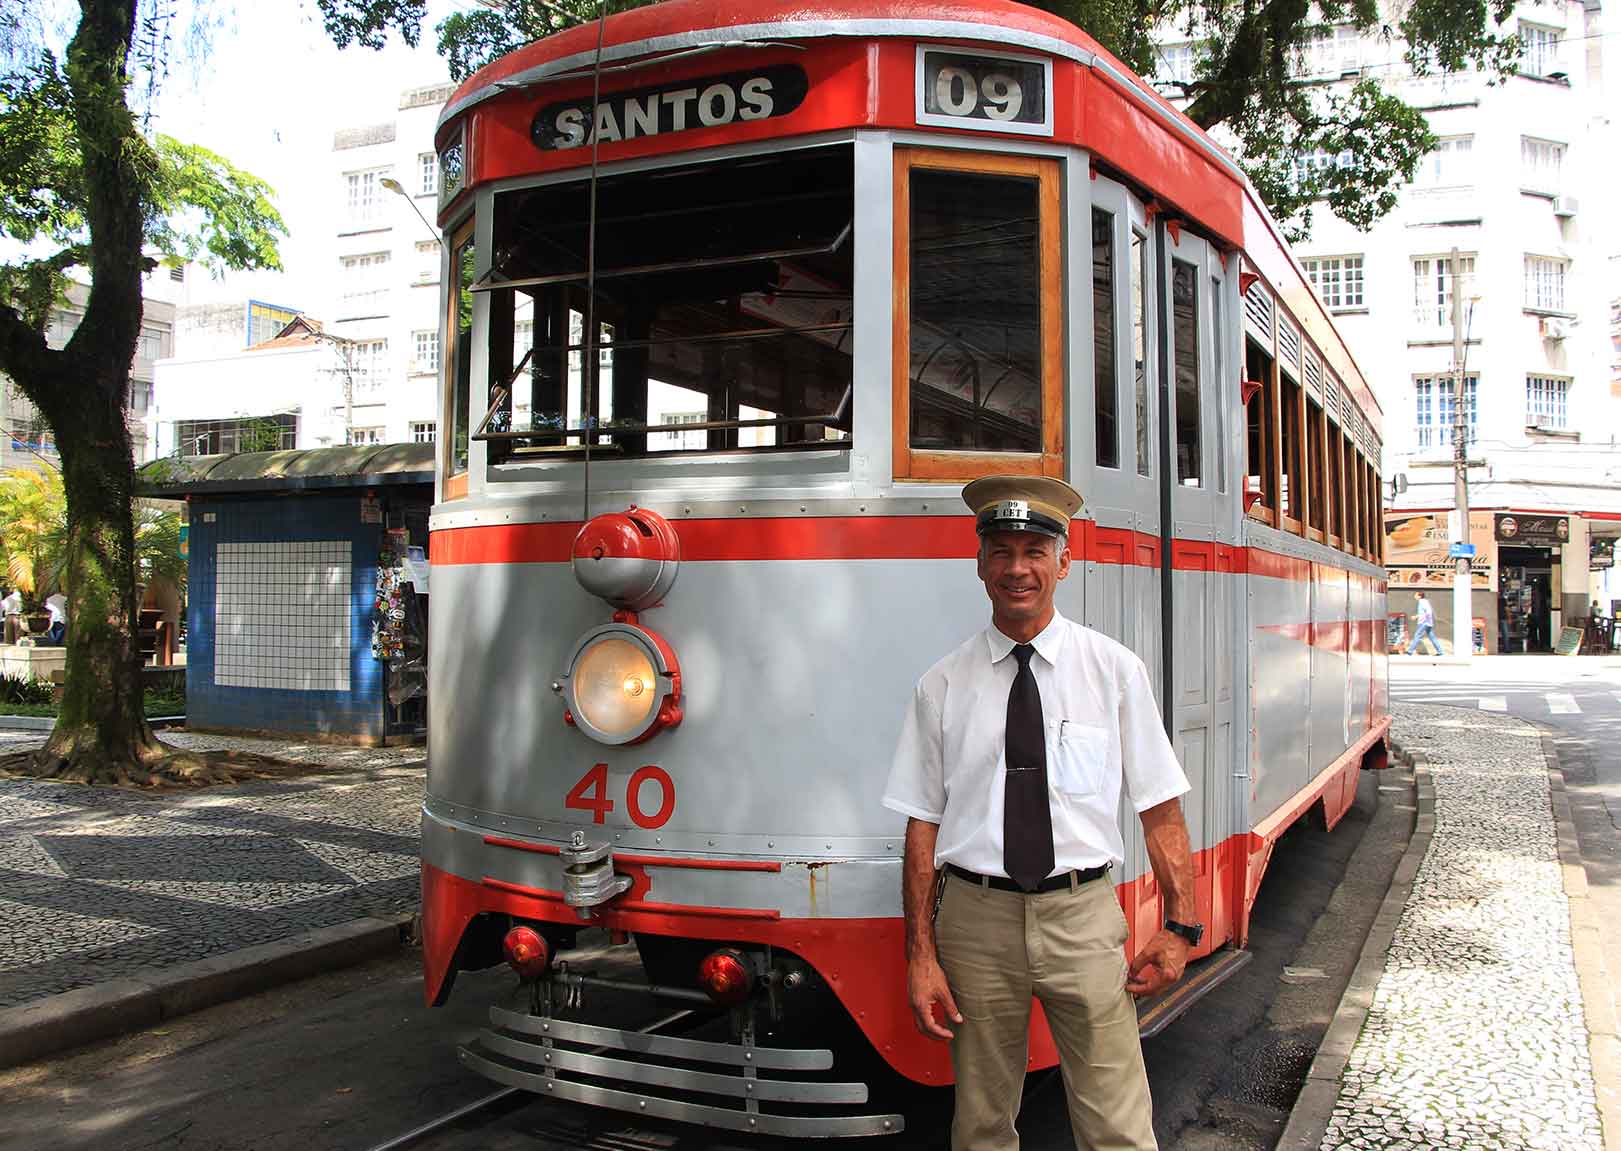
1027	821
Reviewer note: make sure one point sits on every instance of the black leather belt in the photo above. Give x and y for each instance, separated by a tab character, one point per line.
1051	883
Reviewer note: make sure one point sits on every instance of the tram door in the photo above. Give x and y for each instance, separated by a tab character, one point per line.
1200	399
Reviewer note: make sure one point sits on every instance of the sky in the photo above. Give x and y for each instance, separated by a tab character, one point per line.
268	94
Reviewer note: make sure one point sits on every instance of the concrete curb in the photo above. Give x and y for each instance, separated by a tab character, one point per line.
1308	1120
27	722
31	1031
1598	998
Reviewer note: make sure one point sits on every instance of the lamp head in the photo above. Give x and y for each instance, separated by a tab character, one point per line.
392	185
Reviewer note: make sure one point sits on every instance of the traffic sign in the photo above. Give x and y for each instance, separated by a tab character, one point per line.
1461	552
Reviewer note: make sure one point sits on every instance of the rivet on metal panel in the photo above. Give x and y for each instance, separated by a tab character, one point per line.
771	843
711	843
658	839
642	1103
889	847
863	507
801	507
742	511
617	837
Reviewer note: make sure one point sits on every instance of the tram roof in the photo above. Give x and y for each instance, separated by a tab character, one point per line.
676	28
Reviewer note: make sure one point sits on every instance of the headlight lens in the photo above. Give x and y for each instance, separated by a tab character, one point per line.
615	687
623	684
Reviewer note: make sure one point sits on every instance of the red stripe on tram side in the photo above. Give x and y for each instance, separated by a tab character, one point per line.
862	538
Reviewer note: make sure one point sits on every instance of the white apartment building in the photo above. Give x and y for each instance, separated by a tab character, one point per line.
1519	187
25	438
385	259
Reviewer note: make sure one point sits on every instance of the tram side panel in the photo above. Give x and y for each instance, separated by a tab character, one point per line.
1331	617
1279	598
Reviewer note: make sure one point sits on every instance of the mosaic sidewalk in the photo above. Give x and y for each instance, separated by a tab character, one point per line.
1476	1037
96	883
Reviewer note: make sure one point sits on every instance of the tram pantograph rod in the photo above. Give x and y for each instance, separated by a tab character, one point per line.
423	1130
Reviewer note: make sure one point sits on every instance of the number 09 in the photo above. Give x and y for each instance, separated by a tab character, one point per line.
958	95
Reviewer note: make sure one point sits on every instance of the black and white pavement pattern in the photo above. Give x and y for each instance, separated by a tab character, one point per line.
99	883
1476	1036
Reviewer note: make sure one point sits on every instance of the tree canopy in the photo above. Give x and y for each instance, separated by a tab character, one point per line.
1301	141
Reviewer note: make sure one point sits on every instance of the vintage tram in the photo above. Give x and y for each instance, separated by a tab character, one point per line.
734	305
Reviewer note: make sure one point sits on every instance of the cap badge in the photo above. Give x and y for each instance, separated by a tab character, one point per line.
1013	510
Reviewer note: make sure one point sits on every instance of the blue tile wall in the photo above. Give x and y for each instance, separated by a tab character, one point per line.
357	713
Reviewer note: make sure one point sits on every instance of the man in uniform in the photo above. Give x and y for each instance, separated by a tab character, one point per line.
1010	764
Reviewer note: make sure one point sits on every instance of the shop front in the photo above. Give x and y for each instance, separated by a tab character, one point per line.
1530	549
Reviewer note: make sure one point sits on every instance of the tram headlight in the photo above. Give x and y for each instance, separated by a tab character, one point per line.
622	685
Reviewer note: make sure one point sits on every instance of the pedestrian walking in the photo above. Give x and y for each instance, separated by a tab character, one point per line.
1425	626
1010	765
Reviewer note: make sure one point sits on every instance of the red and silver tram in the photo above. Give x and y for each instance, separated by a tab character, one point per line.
735	306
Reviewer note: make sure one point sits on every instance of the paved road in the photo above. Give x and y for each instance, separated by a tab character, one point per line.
350	1059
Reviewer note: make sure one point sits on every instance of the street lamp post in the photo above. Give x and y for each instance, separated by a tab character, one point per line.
1463	638
398	189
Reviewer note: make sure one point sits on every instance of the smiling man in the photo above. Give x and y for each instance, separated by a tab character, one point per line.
1011	762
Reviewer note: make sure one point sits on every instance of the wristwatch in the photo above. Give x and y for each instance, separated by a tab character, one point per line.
1192	932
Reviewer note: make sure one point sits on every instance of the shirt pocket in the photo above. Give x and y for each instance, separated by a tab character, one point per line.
1077	757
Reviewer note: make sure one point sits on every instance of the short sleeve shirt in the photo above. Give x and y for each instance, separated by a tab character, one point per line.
1102	731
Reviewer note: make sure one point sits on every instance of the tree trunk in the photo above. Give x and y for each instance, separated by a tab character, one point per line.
101	734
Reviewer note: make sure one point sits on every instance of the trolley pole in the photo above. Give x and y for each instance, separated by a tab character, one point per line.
1463	641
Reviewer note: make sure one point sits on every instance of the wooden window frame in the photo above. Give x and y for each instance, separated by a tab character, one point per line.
1297	477
1267	396
915	465
1316	479
455	485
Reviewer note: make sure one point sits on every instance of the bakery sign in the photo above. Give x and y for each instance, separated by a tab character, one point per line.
709	102
1533	531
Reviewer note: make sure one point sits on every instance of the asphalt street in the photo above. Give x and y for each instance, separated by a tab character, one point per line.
352	1059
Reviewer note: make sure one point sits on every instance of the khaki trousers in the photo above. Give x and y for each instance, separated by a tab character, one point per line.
1065	948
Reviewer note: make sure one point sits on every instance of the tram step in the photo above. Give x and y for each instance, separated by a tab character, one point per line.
1201	978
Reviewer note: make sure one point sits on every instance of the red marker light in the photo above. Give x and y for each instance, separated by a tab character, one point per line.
526	952
726	977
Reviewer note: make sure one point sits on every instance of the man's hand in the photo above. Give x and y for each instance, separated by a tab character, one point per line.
926	985
1158	965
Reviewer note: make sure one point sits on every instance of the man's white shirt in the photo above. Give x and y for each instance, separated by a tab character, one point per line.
1102	730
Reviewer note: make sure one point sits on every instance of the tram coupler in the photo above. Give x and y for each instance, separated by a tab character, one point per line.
589	878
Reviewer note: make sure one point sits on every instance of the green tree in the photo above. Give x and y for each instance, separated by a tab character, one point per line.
1246	79
33	532
84	190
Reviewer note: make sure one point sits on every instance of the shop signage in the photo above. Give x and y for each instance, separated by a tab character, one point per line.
1532	531
1420	551
993	92
1601	554
710	102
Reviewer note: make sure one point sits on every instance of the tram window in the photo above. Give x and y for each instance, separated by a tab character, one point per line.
1262	427
1289	408
1348	478
1185	333
1336	486
459	397
1316	501
978	342
1106	384
1219	360
1139	350
724	296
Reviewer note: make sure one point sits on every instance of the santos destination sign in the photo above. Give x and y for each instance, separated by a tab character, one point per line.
705	103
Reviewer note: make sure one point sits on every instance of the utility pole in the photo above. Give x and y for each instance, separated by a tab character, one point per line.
1463	640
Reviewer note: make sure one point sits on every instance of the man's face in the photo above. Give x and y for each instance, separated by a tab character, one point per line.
1020	571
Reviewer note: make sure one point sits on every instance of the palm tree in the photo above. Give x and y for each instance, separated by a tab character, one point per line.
33	532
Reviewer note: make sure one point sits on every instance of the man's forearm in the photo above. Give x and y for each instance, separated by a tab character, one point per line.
917	888
1166	834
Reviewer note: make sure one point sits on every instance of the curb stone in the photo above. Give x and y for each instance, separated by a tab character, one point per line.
31	1031
1598	998
1308	1119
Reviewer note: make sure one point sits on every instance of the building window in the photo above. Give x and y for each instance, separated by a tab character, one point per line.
1541	162
1449	165
1338	280
238	434
368	361
428	262
427	352
428	167
1539	50
366	435
1546	402
1329	53
1176	63
424	431
149	345
1432	288
365	196
265	321
1545	283
1433	412
365	286
1310	165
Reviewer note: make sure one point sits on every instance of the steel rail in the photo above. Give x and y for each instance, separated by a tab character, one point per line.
432	1125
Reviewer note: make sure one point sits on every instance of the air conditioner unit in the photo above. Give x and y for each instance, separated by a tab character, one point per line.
1564	206
1555	328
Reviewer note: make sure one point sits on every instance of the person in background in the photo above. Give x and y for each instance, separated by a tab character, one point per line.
1425	626
57	605
11	610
